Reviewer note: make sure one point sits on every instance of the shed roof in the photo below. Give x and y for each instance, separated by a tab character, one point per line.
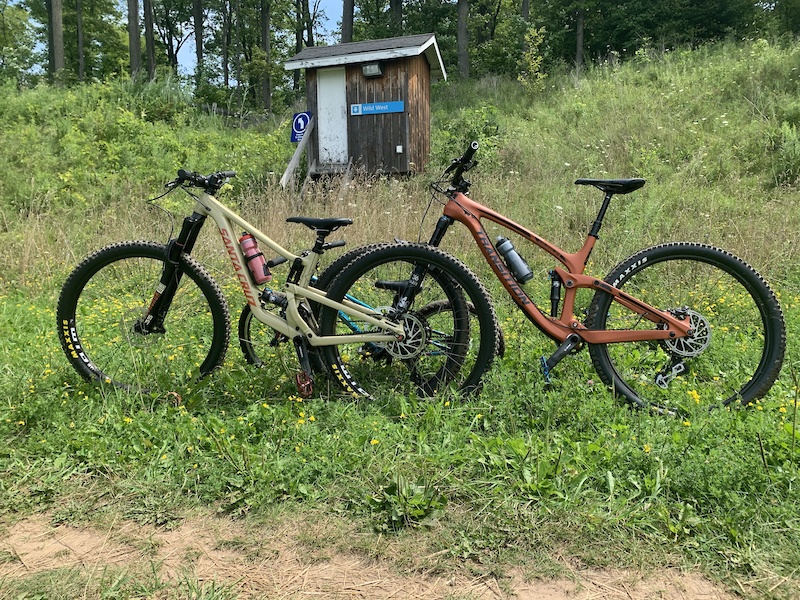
372	50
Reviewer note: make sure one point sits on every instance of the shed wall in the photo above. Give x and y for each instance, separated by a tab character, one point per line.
373	139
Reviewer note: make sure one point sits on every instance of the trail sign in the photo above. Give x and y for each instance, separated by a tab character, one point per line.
299	125
377	108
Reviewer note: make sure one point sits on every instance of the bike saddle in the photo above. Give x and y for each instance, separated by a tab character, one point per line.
321	225
613	186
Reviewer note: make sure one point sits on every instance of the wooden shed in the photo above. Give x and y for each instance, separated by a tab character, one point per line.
371	103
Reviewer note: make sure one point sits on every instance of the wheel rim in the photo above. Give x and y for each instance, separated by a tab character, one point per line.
724	360
104	319
436	348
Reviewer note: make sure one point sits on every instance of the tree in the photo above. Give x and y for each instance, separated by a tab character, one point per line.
266	47
396	16
171	19
463	51
56	36
197	18
17	41
580	15
79	31
149	38
788	13
348	12
134	39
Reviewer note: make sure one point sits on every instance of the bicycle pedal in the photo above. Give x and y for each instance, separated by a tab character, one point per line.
545	370
304	383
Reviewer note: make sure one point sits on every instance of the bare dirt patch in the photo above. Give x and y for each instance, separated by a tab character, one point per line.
284	561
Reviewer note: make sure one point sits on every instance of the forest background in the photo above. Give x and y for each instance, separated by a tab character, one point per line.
239	46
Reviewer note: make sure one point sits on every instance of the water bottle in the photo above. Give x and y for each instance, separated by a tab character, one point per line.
254	258
519	268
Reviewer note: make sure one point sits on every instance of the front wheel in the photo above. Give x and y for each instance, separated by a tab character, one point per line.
739	338
101	310
451	331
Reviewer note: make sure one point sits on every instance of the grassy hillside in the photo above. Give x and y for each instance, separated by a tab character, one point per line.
521	474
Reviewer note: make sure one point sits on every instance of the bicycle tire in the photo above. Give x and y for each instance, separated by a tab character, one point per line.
107	293
448	353
740	341
335	268
252	343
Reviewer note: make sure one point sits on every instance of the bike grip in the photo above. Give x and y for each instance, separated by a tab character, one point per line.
184	175
227	174
470	152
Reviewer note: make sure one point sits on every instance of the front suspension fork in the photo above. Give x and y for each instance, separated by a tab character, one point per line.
153	320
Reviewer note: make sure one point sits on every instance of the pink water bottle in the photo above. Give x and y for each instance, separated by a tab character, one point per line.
255	260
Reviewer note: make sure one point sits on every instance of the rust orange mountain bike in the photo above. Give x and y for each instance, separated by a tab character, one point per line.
672	320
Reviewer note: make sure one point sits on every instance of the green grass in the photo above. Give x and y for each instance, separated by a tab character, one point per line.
520	473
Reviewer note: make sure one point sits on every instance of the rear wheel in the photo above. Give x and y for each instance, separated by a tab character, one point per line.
451	332
100	320
739	338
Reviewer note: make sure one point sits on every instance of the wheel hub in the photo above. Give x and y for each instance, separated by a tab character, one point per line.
694	345
415	339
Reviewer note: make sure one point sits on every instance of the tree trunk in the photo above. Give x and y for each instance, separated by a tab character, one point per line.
237	52
266	46
197	17
134	40
348	13
56	34
396	11
226	43
81	58
579	43
463	51
526	11
298	40
149	39
309	21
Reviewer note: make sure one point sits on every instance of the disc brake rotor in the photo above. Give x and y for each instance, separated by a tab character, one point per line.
416	338
688	347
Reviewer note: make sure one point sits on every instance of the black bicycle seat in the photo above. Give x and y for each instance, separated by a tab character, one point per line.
613	186
321	225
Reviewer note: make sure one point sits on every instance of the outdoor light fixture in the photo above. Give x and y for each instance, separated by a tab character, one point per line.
372	69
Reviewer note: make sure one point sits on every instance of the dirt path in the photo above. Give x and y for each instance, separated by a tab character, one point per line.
264	562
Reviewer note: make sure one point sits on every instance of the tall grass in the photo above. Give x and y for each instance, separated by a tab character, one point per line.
520	473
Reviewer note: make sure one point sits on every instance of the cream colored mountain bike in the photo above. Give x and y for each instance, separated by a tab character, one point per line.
147	316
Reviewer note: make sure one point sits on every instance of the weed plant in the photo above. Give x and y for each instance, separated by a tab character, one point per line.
519	474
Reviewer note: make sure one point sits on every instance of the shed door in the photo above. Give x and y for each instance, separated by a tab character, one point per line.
332	109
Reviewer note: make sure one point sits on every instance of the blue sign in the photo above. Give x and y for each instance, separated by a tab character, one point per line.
299	125
377	108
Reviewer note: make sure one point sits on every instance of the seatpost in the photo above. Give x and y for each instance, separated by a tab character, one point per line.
595	231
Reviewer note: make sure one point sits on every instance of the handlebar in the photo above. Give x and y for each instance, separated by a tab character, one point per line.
210	183
461	165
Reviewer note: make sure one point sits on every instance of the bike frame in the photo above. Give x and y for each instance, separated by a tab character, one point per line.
470	213
297	287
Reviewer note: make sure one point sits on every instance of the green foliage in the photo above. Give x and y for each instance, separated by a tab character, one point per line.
61	161
400	503
787	155
531	75
459	128
16	43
